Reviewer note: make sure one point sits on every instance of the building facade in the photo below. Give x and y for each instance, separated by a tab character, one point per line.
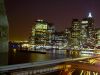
75	33
82	33
98	38
88	32
42	34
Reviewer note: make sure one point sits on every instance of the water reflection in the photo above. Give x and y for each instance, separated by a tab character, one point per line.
16	57
39	57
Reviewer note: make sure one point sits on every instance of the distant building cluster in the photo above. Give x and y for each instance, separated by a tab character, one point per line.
82	34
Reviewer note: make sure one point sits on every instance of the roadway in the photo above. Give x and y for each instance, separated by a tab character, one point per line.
88	67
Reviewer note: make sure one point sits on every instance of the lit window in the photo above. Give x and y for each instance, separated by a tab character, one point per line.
84	22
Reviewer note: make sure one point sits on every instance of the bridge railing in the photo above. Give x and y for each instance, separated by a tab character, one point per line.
37	67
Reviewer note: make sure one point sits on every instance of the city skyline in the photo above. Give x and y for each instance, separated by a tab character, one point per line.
46	37
23	14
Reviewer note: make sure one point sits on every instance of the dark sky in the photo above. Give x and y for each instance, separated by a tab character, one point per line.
23	13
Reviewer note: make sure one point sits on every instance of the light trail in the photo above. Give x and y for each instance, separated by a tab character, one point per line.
81	72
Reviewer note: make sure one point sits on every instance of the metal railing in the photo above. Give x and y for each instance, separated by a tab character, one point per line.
36	67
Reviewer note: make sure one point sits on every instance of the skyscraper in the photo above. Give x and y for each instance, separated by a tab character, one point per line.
98	38
88	31
42	34
82	33
75	33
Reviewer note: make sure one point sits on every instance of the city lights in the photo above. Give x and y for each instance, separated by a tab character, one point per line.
42	41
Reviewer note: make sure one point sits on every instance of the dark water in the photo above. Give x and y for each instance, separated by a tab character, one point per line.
16	57
25	57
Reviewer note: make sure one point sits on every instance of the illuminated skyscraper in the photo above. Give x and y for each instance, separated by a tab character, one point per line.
98	38
42	34
75	33
88	31
68	36
82	33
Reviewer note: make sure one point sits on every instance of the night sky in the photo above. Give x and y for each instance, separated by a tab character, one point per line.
22	14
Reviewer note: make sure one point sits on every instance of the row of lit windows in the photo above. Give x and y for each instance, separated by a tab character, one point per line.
41	26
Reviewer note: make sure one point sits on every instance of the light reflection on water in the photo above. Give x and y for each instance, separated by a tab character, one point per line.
16	57
39	57
25	57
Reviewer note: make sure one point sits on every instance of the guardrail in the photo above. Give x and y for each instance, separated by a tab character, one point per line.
44	66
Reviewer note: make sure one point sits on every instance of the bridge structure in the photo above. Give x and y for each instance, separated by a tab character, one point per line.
65	66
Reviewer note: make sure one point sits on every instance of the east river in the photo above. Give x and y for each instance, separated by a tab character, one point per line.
24	57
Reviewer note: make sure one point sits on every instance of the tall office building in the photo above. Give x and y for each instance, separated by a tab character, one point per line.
68	36
88	31
98	38
75	33
82	33
42	34
3	34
